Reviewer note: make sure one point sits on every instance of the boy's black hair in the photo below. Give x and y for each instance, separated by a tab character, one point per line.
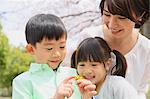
44	26
135	10
97	50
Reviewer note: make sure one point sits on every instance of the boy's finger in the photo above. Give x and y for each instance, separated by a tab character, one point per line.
68	79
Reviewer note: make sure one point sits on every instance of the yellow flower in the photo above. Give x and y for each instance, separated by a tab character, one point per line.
78	77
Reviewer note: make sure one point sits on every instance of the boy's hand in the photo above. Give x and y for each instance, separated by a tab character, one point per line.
65	89
87	89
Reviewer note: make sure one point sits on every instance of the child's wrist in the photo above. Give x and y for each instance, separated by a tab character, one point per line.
58	97
86	97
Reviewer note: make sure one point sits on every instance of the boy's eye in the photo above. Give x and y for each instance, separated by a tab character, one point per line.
49	49
81	65
62	47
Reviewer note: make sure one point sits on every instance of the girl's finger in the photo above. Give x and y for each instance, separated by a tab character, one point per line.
83	82
92	93
90	87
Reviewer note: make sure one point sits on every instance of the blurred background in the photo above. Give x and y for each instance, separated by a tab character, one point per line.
79	16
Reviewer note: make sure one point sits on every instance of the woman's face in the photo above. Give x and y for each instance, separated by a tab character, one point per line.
117	26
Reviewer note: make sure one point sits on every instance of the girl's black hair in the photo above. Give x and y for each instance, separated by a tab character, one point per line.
44	26
97	50
135	10
73	64
121	65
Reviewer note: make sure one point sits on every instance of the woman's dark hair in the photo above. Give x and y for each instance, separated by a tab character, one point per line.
97	50
44	26
135	10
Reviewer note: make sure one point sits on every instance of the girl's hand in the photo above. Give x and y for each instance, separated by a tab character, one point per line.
65	89
87	89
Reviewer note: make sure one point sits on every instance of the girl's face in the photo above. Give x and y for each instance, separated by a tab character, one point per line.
93	71
117	26
50	52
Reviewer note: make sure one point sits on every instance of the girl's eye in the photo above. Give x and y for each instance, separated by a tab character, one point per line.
94	64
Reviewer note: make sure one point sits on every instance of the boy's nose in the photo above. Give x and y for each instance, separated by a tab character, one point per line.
56	54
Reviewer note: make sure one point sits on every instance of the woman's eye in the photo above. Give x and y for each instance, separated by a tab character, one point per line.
107	14
122	18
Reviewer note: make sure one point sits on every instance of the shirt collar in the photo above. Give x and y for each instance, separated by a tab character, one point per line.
34	67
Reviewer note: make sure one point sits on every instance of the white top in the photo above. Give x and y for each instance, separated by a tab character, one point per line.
138	59
116	87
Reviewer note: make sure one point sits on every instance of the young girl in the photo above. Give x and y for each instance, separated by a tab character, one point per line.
94	61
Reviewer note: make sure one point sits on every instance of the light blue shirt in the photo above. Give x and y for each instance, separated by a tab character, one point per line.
41	82
116	87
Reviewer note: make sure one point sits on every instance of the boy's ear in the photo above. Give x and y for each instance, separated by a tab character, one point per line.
29	48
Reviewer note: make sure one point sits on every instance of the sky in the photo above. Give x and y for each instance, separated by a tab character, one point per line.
14	14
12	22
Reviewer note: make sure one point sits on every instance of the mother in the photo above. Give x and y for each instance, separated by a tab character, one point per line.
120	17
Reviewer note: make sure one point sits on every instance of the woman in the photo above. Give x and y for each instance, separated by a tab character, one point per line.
120	17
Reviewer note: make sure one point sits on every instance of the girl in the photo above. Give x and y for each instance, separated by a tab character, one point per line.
94	61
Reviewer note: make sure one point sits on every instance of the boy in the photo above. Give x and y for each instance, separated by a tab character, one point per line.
46	37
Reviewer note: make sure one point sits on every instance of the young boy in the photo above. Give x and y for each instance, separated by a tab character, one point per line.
46	37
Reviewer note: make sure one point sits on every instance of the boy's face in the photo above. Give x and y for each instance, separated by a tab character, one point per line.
50	52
